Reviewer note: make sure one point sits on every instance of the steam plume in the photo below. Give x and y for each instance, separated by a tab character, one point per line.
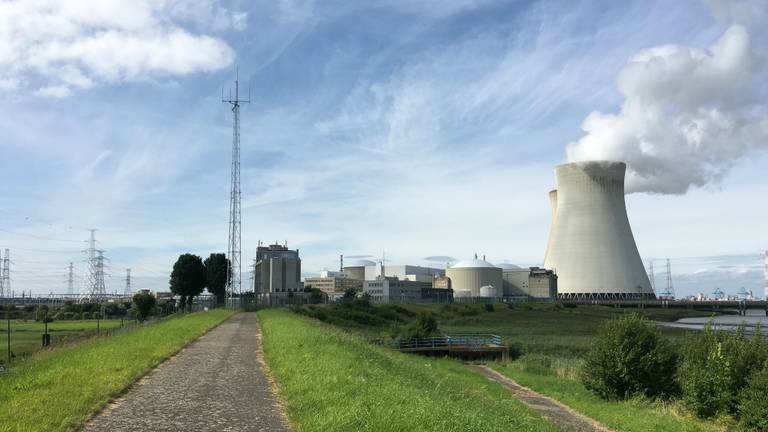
688	116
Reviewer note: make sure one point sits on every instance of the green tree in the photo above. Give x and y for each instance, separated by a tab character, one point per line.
144	302
188	278
630	357
216	271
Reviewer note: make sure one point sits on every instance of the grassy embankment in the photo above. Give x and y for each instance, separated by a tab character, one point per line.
551	341
26	335
335	381
57	390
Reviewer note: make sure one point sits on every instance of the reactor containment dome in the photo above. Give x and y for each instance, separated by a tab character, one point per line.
590	246
469	276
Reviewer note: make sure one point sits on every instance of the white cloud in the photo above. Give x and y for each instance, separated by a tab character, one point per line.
689	115
77	43
54	91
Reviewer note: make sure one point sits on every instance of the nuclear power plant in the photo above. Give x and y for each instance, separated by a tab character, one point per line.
591	248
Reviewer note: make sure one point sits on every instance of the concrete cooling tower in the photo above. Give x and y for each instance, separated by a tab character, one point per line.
590	246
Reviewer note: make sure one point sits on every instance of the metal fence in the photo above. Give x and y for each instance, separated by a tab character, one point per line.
448	341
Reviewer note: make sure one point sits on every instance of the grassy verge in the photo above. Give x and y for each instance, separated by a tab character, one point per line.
335	381
57	390
26	334
630	416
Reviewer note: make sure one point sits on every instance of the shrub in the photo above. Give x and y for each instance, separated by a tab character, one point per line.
715	368
488	307
85	315
753	402
97	316
69	315
629	358
424	326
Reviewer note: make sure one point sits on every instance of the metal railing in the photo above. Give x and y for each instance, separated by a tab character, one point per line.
448	341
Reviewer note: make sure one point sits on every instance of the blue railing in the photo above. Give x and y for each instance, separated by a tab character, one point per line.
458	340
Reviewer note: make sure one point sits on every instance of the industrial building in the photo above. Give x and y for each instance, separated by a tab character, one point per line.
356	269
529	283
394	290
475	278
277	269
591	248
403	272
333	282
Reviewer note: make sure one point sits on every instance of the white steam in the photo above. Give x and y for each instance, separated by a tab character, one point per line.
689	114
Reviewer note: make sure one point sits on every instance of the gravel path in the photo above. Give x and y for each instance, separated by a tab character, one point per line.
562	416
215	384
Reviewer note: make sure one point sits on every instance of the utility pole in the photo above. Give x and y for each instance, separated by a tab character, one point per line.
71	280
127	281
234	236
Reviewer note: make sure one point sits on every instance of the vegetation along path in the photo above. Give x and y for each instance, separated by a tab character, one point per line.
215	384
562	416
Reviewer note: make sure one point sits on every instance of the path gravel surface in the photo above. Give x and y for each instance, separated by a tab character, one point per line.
217	383
561	415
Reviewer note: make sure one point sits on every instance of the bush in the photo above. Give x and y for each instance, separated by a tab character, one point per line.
424	326
753	402
629	358
488	307
85	315
97	316
716	366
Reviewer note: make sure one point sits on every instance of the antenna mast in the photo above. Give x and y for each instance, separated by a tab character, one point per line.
234	248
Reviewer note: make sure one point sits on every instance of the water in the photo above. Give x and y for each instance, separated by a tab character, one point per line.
753	318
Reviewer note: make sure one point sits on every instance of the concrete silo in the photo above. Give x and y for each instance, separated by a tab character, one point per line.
468	276
591	247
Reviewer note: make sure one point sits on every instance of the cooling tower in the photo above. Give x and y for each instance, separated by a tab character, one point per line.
591	247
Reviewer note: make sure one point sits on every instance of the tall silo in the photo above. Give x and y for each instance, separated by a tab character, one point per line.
468	276
591	247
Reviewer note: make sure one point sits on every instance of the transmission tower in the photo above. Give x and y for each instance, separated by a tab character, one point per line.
234	238
95	288
651	276
765	273
127	281
669	290
71	280
5	274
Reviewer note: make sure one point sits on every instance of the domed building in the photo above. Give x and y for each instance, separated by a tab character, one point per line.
469	276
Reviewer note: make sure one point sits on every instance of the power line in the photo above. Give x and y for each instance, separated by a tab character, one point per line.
39	236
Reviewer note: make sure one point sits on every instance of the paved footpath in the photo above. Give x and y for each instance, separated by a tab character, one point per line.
215	384
561	415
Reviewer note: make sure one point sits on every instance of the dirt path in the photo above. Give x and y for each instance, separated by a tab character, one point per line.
215	384
562	416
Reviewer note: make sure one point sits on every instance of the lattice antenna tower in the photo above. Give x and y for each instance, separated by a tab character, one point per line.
71	279
651	276
127	281
234	240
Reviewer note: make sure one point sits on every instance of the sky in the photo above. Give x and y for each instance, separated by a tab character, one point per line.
411	129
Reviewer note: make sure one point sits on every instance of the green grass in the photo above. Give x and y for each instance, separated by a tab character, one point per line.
57	390
336	381
26	335
630	416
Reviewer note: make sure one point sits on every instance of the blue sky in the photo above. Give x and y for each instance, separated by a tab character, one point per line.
418	128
